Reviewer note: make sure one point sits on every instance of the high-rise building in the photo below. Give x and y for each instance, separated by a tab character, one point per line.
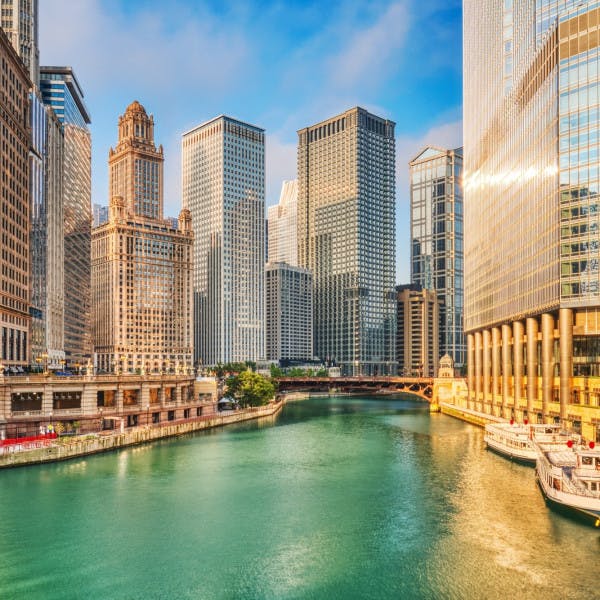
436	225
418	348
61	91
346	237
15	143
19	19
47	235
141	267
532	210
282	225
224	188
288	309
99	215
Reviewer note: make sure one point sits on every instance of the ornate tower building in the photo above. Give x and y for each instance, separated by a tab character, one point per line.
141	265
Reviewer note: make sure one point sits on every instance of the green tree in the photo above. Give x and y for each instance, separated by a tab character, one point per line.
276	371
322	373
296	372
250	388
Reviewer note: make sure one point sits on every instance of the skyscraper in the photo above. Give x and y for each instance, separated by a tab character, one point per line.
532	256
346	237
288	310
418	341
141	267
15	142
436	224
61	91
19	19
224	188
99	215
283	226
46	163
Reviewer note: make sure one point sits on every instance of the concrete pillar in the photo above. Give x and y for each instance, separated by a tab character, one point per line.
506	367
478	368
518	331
496	349
471	368
487	366
547	363
532	364
565	327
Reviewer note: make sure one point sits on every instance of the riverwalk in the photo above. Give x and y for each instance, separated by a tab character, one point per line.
77	446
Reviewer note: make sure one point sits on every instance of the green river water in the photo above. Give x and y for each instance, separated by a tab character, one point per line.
340	497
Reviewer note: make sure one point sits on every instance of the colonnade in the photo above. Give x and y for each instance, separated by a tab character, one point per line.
501	358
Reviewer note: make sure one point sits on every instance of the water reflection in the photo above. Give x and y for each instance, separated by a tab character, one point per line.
335	498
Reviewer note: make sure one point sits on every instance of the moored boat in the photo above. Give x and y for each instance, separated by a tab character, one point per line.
517	440
569	478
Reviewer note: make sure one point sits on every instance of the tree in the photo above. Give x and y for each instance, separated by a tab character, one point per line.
322	373
250	389
276	371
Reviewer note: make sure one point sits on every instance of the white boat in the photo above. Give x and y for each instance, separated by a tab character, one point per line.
517	440
570	478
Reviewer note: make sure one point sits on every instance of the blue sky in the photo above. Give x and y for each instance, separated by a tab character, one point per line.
279	65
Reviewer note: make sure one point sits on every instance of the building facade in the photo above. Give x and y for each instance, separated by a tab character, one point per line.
532	256
418	341
99	215
47	236
15	142
63	94
289	312
282	226
436	224
346	238
224	188
141	267
19	19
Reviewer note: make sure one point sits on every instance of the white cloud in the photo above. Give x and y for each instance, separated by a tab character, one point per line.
369	52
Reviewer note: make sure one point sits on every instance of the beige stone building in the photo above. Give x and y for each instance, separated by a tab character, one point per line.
15	141
418	340
141	266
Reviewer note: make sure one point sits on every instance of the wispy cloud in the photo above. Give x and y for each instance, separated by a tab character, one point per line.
369	53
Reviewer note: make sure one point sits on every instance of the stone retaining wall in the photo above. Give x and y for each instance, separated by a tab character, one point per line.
468	415
138	435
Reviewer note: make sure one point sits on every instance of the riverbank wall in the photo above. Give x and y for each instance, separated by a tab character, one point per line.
470	416
95	444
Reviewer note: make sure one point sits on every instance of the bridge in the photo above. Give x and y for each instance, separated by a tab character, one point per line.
418	386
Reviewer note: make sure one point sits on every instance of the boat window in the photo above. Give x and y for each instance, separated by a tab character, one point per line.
587	460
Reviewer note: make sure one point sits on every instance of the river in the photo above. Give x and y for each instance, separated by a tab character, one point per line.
340	497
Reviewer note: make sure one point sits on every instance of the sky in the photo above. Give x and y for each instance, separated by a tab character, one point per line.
279	65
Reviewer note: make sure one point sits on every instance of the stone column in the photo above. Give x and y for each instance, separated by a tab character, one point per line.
547	363
518	330
487	364
532	365
478	368
565	326
470	368
506	367
496	349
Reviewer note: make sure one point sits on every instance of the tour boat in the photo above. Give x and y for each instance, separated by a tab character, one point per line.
517	440
570	478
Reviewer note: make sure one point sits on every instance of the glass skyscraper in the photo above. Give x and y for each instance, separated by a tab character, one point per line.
436	224
282	224
223	164
346	237
532	255
62	92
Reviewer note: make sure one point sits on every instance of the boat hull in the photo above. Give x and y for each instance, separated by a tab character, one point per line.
525	457
564	506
